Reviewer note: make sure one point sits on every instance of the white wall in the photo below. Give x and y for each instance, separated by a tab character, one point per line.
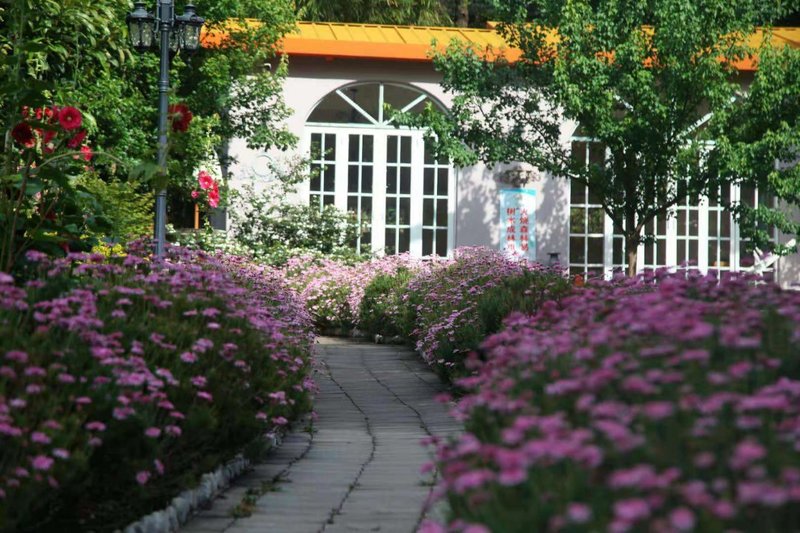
477	201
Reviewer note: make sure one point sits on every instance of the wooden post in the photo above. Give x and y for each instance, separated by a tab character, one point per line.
196	216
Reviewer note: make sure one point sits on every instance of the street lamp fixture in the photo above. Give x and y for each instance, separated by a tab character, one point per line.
172	34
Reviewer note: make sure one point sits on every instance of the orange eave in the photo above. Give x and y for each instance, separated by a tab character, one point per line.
414	43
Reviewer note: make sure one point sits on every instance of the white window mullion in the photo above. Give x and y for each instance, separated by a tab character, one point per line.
608	246
340	197
379	192
417	169
702	236
451	215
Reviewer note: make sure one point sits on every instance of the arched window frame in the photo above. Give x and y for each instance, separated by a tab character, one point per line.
365	184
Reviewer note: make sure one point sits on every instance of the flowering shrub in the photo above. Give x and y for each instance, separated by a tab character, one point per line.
458	302
383	310
634	407
209	189
41	207
121	382
333	290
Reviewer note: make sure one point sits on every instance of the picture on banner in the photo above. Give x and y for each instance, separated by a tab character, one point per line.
517	220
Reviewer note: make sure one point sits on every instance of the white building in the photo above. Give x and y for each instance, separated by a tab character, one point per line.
340	77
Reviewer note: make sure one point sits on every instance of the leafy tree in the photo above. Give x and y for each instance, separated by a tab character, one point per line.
655	83
412	12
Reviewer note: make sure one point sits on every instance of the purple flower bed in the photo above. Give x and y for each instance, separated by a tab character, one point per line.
333	290
122	381
634	407
458	302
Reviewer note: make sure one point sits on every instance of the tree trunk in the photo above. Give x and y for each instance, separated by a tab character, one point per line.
631	252
462	13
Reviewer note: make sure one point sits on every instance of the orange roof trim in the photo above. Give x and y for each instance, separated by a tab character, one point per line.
413	43
374	41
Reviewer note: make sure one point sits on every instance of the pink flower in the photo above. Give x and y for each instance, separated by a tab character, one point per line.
142	477
279	421
195	194
42	463
159	467
153	432
579	513
87	153
188	357
205	180
682	519
95	426
631	510
61	453
40	438
70	118
205	396
18	356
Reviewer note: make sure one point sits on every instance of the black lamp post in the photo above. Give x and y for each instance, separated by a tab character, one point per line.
171	33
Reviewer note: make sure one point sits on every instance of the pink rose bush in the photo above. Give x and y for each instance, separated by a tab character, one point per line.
123	380
208	189
668	404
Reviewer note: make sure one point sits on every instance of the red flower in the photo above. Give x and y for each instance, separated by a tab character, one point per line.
205	180
181	117
48	136
70	118
195	194
76	140
213	198
23	135
87	153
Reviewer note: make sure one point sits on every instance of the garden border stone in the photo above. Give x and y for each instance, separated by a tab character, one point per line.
191	501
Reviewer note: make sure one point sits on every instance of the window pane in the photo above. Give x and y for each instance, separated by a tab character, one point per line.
427	241
577	193
649	254
366	180
405	150
330	179
596	220
366	208
316	145
315	179
427	212
748	196
726	224
366	96
661	260
597	154
367	149
398	97
577	253
594	198
441	184
352	204
390	242
352	178
595	250
575	271
354	148
328	199
391	152
682	222
579	153
441	213
405	211
713	257
428	185
681	251
391	211
712	223
429	158
405	180
694	222
391	180
577	220
329	150
441	242
405	240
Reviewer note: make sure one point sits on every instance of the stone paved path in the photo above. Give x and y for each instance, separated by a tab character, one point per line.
359	471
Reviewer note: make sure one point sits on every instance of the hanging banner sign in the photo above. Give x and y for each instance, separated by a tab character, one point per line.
517	222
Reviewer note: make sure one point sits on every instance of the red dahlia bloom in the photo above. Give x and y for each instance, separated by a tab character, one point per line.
23	135
181	117
70	118
77	140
